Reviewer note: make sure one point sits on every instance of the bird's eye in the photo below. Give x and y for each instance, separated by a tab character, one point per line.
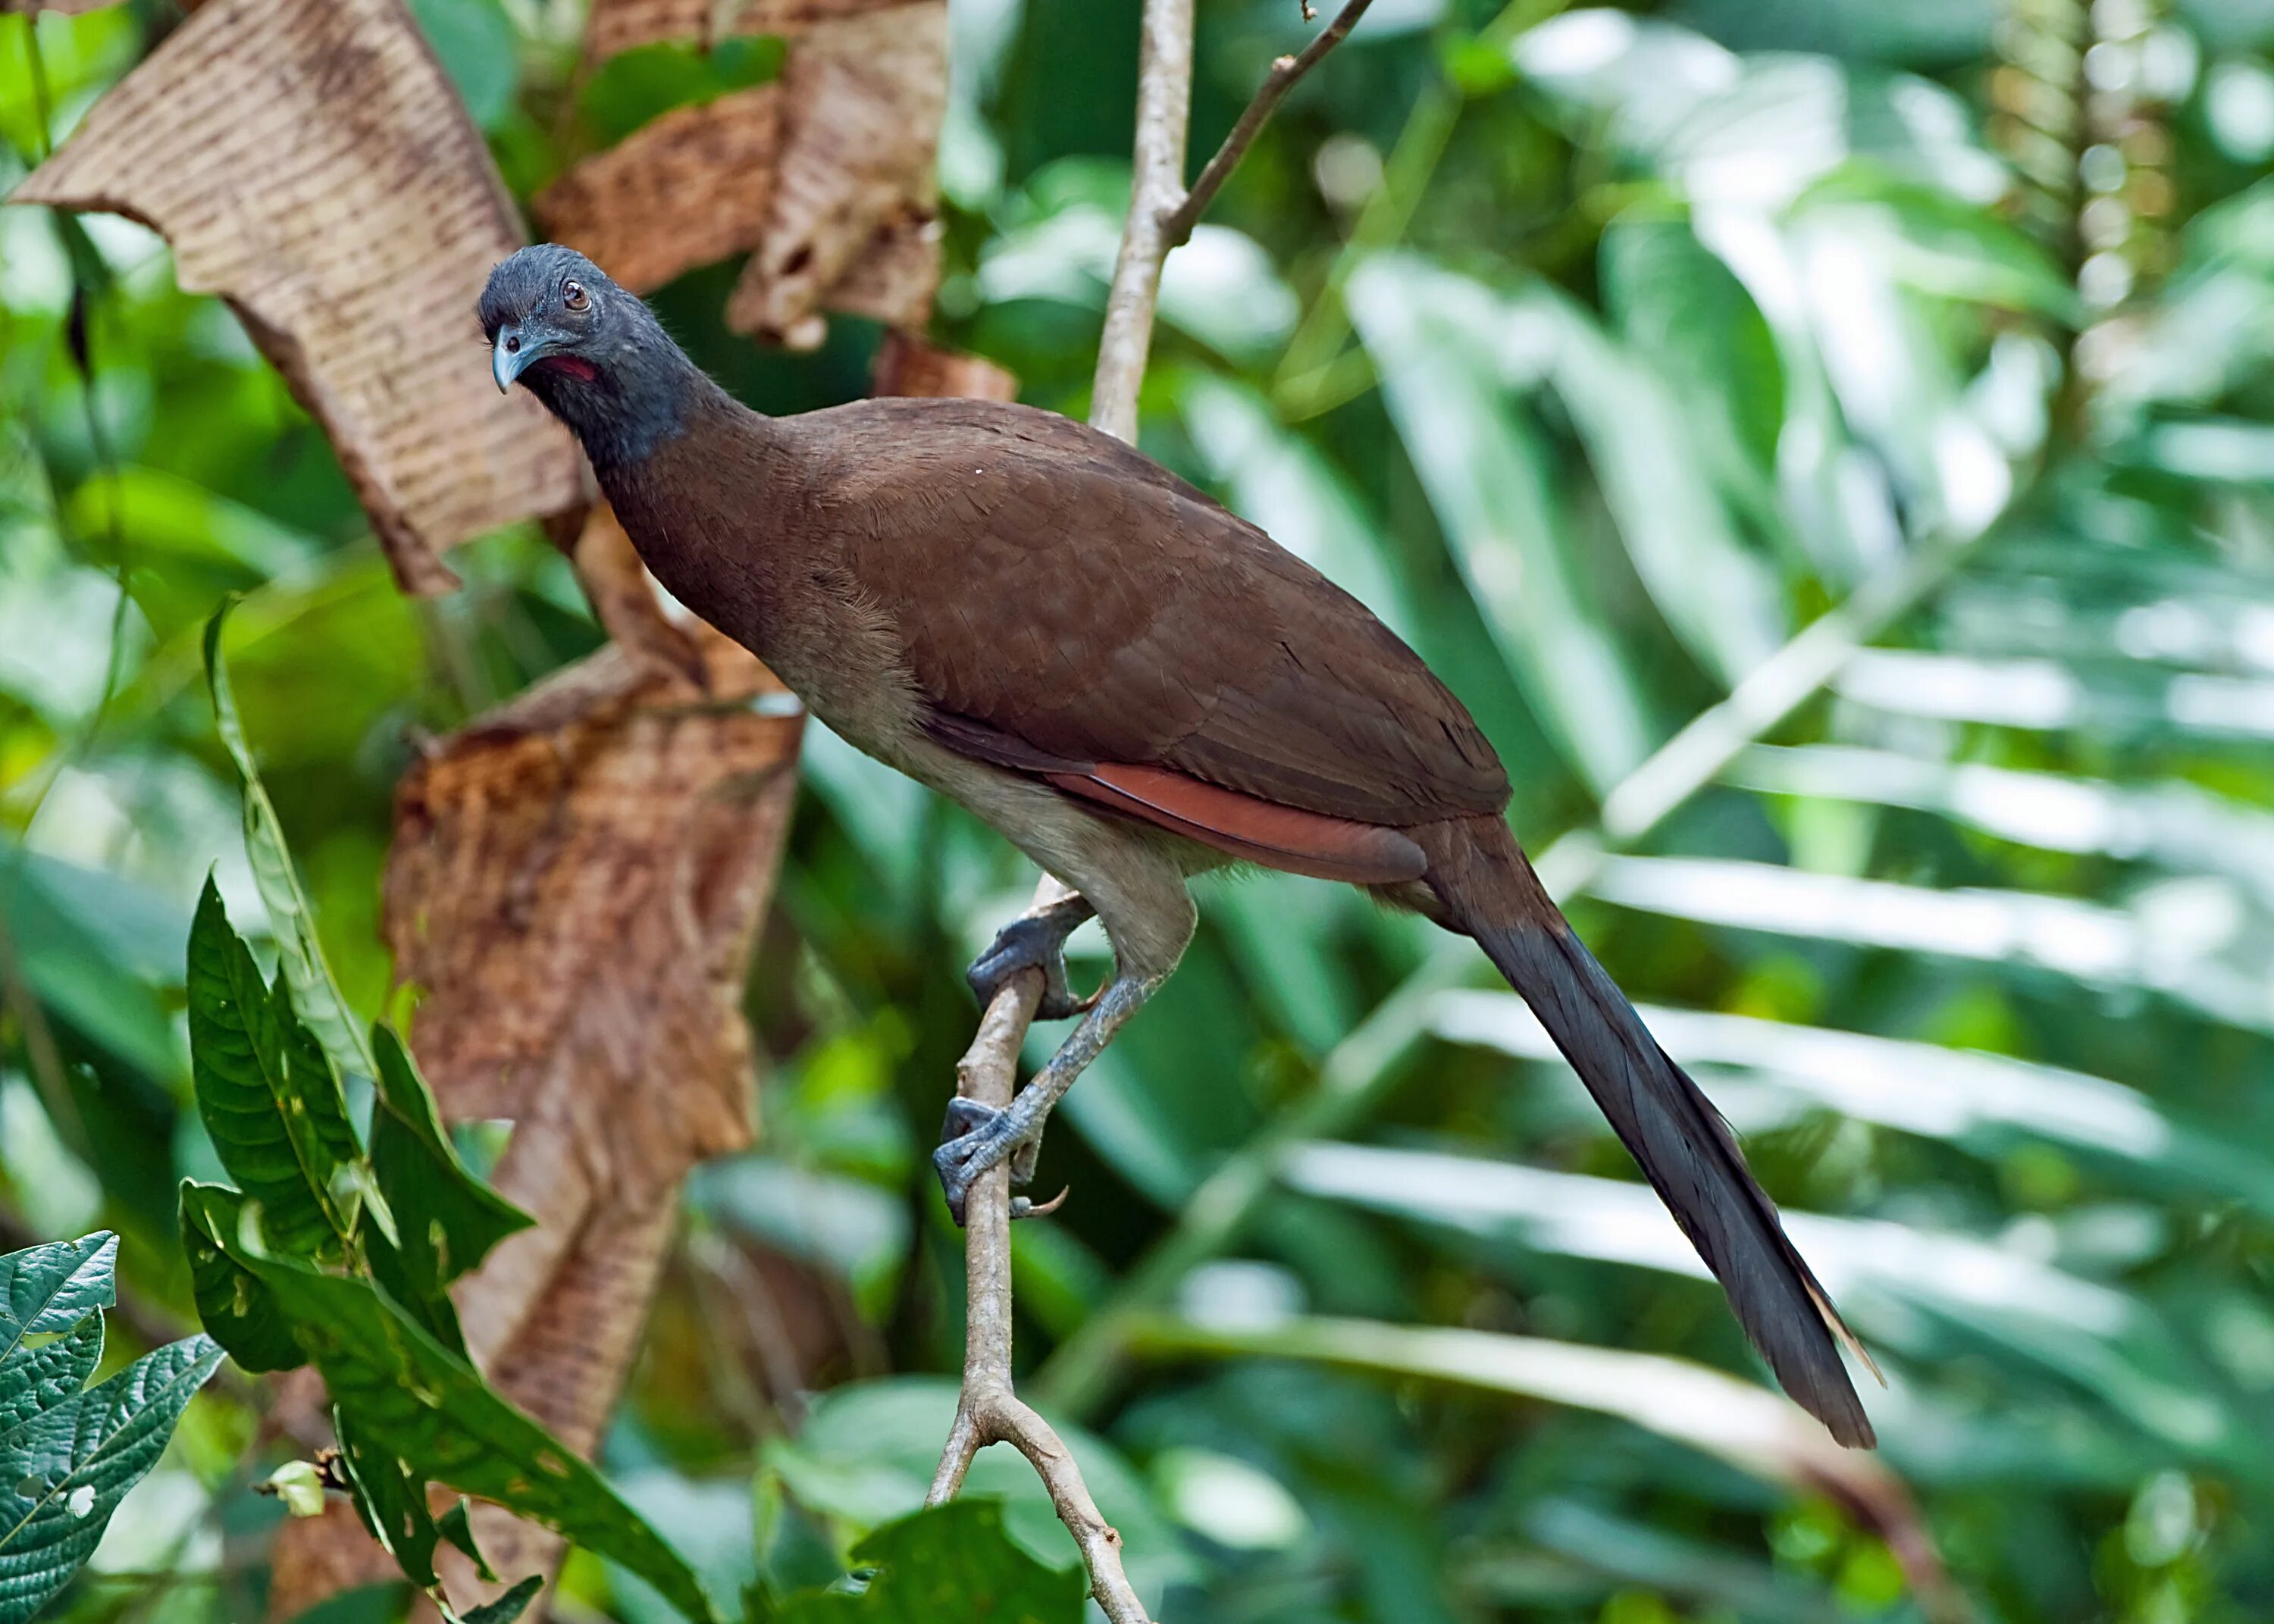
574	296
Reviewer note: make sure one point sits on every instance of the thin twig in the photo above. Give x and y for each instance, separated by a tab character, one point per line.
1285	72
1303	385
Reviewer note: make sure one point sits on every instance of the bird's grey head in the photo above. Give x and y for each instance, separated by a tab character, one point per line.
594	353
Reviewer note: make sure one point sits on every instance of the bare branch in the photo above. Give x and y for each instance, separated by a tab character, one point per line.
1285	72
989	1409
1156	181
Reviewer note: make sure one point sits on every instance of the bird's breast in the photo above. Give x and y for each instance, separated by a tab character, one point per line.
771	583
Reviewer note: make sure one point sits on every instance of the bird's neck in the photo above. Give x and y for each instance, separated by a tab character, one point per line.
643	394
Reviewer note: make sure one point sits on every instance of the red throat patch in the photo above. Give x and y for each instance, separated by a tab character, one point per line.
575	366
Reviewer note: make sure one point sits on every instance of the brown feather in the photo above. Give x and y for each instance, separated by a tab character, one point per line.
1059	587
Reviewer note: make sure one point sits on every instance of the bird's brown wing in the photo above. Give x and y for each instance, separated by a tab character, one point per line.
1055	586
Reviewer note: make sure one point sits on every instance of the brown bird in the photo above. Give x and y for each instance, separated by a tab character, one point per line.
1133	685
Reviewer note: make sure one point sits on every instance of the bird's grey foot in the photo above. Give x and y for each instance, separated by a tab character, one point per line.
1034	942
975	1138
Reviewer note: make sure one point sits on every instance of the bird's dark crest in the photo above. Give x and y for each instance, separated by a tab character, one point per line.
522	280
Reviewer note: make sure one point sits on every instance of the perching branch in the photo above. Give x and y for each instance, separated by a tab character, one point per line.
989	1409
1156	184
1161	214
1285	72
1162	210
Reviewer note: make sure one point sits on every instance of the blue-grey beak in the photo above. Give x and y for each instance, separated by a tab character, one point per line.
510	354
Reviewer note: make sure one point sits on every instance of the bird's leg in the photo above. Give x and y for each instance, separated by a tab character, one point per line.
976	1137
1036	941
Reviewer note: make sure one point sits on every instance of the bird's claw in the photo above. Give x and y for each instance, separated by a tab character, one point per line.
1035	942
973	1138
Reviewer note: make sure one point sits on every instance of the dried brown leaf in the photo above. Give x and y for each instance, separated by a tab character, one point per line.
693	186
907	364
893	279
826	174
574	881
313	1559
308	162
863	99
621	25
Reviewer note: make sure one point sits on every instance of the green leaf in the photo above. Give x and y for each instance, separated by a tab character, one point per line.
401	1393
451	1217
44	1289
85	942
446	1219
300	953
239	1311
426	1302
1442	343
1642	440
509	1606
35	1380
1675	302
952	1561
271	1102
455	1526
636	87
63	1476
390	1495
474	43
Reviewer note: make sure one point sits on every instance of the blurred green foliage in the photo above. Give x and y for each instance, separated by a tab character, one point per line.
1625	361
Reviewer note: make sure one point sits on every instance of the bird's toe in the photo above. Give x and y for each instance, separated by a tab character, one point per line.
975	1138
1034	942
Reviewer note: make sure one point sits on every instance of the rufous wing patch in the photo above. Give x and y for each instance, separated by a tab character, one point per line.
1251	828
1246	827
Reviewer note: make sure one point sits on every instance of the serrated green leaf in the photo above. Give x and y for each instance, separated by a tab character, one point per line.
47	1288
952	1561
63	1476
390	1495
273	1107
300	953
456	1527
235	1306
34	1381
509	1606
404	1393
447	1219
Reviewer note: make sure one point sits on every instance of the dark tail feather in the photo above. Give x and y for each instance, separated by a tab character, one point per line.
1489	889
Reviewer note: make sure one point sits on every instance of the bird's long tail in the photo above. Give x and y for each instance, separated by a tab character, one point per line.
1487	888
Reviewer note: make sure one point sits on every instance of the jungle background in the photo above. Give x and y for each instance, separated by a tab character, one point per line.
1829	446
